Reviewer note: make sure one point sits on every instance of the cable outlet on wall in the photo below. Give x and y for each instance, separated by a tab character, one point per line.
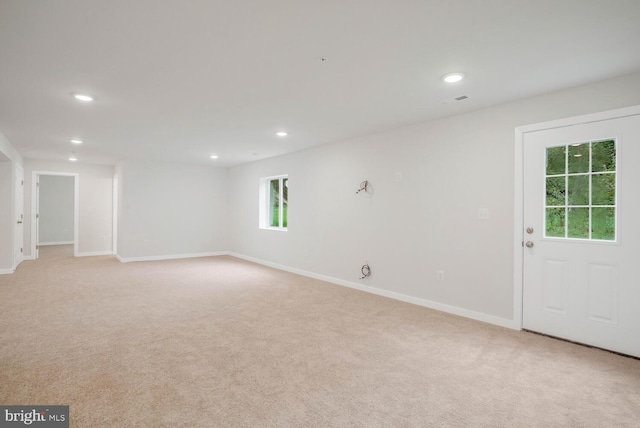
483	213
440	275
146	242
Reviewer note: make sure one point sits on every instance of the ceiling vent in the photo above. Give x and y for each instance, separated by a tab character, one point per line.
455	99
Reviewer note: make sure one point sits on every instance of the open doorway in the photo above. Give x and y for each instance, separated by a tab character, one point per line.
54	210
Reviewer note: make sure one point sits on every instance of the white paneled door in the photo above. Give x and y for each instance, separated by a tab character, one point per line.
581	267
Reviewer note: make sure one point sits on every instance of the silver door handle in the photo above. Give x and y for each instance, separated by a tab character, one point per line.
19	221
529	244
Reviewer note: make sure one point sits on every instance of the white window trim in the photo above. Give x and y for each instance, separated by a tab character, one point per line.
264	203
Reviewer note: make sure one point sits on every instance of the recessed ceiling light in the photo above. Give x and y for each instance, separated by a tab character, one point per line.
76	141
72	159
83	97
453	77
214	156
281	134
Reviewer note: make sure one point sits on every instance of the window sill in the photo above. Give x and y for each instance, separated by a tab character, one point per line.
278	229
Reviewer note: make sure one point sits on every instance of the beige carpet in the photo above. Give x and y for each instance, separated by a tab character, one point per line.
219	342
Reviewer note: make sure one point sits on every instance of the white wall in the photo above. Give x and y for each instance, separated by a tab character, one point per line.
407	230
56	209
95	203
170	210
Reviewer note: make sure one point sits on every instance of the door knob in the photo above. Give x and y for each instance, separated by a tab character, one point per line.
19	221
529	244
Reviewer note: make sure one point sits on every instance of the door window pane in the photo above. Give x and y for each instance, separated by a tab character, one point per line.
580	191
578	158
604	156
603	225
555	222
556	160
604	189
578	223
556	191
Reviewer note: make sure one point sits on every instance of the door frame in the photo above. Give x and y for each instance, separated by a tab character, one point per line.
518	223
18	197
35	201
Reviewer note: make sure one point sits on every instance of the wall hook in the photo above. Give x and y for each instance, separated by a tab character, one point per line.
365	270
363	186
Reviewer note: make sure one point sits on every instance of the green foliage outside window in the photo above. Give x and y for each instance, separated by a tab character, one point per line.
581	190
279	196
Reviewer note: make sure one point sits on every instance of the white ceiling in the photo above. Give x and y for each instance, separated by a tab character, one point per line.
180	80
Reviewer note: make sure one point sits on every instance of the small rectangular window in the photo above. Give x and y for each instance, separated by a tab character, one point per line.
580	187
274	197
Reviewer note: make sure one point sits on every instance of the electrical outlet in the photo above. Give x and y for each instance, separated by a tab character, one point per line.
440	275
483	213
398	176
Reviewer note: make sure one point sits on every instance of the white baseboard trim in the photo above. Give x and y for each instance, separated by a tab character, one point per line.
95	253
43	244
169	257
28	258
6	271
466	313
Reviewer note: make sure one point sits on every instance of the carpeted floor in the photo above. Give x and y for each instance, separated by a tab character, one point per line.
220	342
